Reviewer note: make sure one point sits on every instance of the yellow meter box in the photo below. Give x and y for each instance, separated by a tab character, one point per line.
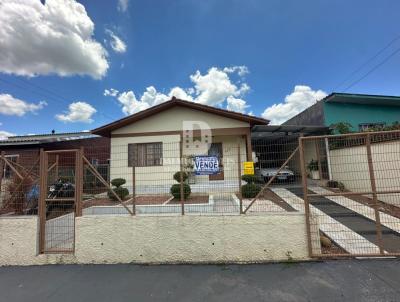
248	168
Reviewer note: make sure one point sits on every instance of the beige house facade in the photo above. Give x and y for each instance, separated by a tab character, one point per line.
153	142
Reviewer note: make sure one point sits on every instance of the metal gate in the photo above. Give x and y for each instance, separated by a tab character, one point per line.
60	190
351	192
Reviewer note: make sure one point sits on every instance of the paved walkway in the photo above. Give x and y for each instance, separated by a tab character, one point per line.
346	280
387	220
339	233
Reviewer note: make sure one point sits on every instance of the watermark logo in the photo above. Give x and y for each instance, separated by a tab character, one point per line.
197	137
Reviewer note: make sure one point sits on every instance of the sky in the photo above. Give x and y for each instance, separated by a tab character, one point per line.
69	65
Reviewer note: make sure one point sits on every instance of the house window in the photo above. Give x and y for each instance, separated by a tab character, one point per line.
145	155
94	161
369	126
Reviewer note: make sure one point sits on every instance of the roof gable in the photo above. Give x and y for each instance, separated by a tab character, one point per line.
107	129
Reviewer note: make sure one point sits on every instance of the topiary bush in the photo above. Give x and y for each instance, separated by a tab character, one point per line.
177	176
176	191
118	189
250	179
117	182
250	190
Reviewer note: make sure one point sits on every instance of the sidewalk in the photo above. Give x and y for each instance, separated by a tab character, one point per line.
344	280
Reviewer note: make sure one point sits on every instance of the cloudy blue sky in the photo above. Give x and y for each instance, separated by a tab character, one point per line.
74	65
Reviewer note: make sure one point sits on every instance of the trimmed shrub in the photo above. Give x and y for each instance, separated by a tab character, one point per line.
250	190
177	176
250	179
335	184
176	191
117	182
120	191
332	184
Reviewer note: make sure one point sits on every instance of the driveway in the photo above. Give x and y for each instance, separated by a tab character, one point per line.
346	280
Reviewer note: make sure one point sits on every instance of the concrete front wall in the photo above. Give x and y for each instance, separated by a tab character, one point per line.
123	239
173	239
19	243
172	120
350	166
158	179
356	114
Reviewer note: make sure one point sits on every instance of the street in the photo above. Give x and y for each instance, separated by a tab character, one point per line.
340	280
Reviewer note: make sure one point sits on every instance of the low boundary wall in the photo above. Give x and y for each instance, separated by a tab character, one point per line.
164	239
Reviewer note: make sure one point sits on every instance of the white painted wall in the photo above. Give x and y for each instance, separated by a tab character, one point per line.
172	119
123	239
350	166
173	239
19	243
158	179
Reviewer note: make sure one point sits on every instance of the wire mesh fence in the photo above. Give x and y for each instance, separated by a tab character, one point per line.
352	192
19	177
347	185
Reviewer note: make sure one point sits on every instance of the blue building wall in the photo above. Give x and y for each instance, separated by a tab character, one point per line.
356	114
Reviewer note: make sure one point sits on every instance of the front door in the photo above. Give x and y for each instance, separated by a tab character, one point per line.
217	150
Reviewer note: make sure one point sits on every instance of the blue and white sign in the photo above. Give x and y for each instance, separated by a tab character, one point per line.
206	165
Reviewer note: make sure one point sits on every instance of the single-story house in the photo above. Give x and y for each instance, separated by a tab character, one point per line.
155	139
361	111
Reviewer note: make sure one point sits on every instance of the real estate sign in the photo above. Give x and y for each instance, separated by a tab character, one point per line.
248	168
206	165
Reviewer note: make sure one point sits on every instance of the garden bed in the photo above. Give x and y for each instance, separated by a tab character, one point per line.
191	200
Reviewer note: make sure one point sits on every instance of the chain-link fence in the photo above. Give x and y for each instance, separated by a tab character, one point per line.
352	192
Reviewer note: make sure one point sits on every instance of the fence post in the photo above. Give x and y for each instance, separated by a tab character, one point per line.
42	199
181	177
78	181
305	196
317	150
133	188
328	158
374	195
240	181
3	153
57	163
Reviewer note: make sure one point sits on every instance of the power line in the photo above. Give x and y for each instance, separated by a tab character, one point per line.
46	93
373	69
367	62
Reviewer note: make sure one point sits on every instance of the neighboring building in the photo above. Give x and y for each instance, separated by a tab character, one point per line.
153	140
361	111
24	150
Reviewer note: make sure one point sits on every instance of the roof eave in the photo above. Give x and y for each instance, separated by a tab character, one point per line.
107	129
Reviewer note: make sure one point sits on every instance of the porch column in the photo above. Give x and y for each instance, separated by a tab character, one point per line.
249	149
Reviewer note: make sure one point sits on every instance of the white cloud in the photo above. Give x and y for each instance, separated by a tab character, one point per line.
13	106
54	38
116	43
237	105
5	134
301	98
77	112
241	70
110	92
130	104
123	5
214	88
